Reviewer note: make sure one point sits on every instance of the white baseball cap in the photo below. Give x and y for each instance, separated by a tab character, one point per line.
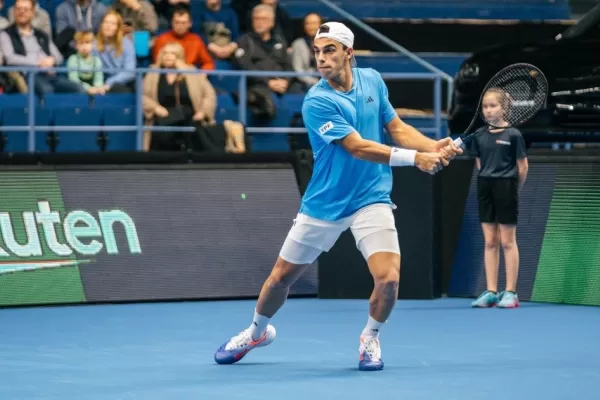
338	32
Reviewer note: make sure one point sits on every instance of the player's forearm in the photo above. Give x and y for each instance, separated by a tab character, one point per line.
369	150
410	138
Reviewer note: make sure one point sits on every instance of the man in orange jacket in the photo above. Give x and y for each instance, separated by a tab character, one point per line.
196	52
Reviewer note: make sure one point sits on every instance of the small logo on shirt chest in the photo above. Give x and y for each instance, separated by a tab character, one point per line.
504	142
370	100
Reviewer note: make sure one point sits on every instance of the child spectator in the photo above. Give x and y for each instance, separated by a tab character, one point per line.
84	67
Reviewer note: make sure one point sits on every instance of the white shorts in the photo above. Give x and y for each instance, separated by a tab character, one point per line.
373	228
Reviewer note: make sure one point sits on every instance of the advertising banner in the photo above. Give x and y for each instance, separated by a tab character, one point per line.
557	235
119	234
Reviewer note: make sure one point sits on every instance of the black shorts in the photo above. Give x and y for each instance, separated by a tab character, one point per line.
498	200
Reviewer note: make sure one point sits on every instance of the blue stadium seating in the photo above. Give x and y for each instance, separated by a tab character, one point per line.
73	141
54	100
119	116
273	141
17	141
429	9
225	100
114	100
13	100
396	63
232	114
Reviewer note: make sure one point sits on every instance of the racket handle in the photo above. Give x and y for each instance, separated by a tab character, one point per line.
458	142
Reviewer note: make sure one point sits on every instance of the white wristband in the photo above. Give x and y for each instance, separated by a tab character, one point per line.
402	157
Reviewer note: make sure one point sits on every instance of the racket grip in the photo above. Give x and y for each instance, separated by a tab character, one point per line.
458	142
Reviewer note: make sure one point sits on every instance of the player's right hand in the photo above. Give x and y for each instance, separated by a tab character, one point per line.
430	162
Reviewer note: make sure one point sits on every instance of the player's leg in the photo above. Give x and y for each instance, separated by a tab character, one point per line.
491	236
507	217
294	258
377	239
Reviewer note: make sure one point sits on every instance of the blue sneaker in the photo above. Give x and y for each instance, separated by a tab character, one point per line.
238	346
370	355
485	300
509	300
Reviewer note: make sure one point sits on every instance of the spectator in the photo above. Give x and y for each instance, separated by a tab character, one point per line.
165	8
241	7
79	15
303	57
178	99
262	50
23	45
138	15
116	51
3	21
85	69
75	16
220	27
283	22
41	19
194	48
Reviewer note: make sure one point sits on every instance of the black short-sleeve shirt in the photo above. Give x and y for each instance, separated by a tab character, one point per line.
498	152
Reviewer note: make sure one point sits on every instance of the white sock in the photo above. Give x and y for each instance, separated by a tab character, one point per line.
372	328
259	325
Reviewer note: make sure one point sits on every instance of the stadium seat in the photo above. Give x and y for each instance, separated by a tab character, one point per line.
61	100
225	100
75	141
119	140
222	83
292	102
114	100
17	141
272	141
232	114
14	100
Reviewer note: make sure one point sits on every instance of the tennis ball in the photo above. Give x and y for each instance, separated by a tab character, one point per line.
533	73
243	196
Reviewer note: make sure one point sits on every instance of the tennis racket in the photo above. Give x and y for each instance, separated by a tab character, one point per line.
523	87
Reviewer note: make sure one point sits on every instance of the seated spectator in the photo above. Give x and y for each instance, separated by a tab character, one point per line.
220	28
41	19
23	45
115	51
165	8
303	57
263	50
76	16
85	69
179	99
195	51
3	21
138	15
79	15
283	22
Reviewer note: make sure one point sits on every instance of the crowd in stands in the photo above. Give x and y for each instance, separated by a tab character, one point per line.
87	35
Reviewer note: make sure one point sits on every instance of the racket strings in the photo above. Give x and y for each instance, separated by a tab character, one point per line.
523	90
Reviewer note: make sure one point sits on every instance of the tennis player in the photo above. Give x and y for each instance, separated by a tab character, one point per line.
502	164
345	114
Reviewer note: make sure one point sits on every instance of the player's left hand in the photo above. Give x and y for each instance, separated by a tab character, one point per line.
447	148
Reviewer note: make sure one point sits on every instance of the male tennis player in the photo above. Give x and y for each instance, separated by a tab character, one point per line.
345	114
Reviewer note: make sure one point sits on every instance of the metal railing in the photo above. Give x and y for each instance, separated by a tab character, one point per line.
395	46
140	128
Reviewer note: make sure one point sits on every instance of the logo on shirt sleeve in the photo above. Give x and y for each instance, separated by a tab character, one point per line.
326	127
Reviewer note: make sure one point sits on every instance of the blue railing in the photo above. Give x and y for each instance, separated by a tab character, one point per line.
140	128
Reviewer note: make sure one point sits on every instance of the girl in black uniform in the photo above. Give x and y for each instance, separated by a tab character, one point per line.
502	164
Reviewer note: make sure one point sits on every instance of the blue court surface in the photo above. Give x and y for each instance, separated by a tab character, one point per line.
438	349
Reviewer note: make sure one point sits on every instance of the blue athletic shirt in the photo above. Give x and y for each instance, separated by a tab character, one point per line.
341	184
